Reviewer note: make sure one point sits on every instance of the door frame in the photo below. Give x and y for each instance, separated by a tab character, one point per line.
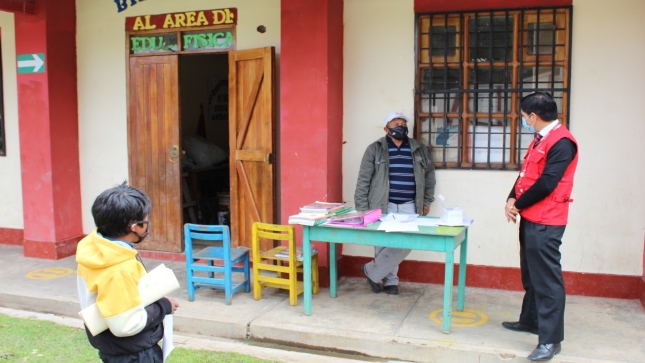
271	159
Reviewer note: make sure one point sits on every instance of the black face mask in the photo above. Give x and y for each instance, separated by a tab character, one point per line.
141	236
399	132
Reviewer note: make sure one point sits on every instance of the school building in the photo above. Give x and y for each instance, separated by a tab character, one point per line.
241	111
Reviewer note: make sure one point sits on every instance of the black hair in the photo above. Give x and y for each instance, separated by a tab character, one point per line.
117	208
541	104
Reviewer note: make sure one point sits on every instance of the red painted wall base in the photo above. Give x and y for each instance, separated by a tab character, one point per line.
491	277
161	255
54	250
508	278
12	236
642	291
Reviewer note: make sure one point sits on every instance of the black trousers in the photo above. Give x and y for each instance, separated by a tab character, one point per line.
544	300
153	354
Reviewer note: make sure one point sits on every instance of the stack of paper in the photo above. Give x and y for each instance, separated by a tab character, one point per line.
308	219
321	207
317	213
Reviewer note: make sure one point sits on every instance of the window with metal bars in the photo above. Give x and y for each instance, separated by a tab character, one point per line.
473	68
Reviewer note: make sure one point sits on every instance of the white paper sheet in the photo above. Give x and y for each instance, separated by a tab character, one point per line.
399	217
167	346
433	222
396	226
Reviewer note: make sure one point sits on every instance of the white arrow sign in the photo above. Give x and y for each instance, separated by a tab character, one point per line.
31	63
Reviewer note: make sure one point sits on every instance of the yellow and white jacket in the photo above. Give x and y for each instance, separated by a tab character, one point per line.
108	274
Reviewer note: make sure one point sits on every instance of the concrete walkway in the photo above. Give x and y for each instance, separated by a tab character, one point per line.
405	327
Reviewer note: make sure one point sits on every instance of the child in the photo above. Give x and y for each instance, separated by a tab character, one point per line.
109	270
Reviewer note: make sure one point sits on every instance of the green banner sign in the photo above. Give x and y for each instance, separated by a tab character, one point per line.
31	63
213	39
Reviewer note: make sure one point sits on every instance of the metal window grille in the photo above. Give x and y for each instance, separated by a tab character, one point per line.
473	68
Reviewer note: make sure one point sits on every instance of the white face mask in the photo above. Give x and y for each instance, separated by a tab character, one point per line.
529	128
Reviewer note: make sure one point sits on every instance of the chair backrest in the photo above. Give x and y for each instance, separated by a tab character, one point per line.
207	233
275	232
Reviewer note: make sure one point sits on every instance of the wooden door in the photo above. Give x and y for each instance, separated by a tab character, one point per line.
154	148
251	137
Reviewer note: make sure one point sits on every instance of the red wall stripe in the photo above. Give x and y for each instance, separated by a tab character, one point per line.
430	6
51	250
642	291
490	277
508	278
11	236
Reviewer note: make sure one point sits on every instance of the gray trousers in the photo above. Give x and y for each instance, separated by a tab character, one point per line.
386	259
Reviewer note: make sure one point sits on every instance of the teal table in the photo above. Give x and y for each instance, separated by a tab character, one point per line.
439	239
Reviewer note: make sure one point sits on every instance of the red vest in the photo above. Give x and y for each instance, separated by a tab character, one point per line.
554	209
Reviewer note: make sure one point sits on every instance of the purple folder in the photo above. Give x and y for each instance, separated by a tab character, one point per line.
360	219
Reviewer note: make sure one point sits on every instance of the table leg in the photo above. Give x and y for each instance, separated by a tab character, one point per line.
461	291
333	278
306	256
447	291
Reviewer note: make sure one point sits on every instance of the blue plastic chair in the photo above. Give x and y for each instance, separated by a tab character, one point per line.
203	260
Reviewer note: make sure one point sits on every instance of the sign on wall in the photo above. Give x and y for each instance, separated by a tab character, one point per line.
219	40
123	4
186	19
31	63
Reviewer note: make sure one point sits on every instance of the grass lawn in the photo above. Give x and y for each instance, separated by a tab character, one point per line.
30	340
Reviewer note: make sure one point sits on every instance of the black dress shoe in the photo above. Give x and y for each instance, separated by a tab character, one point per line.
391	289
376	288
544	352
516	326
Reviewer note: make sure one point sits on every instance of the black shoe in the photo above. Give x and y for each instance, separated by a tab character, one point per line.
391	289
516	326
376	288
544	352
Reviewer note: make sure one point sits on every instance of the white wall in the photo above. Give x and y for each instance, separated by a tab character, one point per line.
605	231
102	79
10	179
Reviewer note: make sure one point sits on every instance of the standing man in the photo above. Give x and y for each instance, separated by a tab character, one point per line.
541	196
396	175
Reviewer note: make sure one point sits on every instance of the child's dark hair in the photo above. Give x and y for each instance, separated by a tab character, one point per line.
117	208
541	104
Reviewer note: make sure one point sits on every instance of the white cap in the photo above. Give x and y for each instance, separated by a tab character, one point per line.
393	115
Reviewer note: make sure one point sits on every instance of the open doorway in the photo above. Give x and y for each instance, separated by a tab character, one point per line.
204	120
166	100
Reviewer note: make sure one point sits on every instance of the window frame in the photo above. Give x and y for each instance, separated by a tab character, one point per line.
504	146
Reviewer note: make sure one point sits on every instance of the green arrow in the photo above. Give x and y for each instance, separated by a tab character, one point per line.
31	63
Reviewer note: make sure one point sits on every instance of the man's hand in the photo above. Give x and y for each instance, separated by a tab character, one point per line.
510	210
426	210
173	303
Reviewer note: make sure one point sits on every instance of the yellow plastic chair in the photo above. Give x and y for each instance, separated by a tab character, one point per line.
285	268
